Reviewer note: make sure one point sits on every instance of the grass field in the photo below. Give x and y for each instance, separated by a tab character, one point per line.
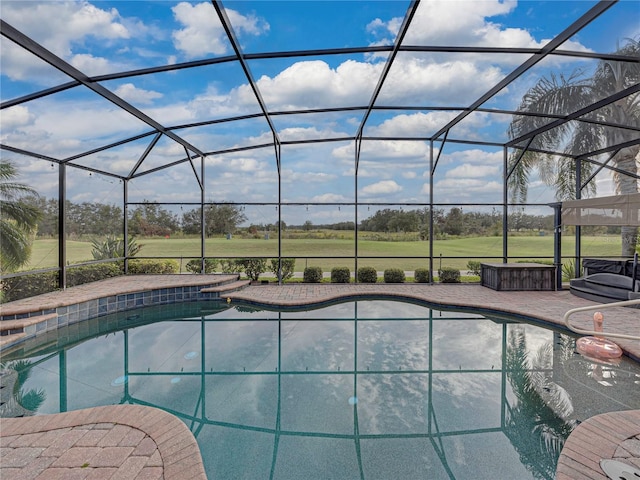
45	252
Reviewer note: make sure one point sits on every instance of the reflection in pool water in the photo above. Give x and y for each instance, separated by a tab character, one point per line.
369	389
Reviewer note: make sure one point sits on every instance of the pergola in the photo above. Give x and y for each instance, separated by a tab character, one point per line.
280	129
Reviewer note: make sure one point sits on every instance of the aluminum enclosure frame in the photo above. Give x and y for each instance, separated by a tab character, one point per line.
158	130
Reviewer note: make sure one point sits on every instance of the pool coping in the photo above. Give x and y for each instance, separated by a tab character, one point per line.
609	436
124	441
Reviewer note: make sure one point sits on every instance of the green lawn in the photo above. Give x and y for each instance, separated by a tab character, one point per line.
45	252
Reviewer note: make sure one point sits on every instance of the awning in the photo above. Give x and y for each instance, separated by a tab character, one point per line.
618	210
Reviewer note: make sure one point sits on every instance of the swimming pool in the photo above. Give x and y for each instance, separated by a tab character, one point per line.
372	389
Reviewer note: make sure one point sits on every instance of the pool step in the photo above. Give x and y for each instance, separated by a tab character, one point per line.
10	339
227	288
13	330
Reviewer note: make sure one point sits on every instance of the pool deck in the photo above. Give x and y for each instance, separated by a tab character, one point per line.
130	441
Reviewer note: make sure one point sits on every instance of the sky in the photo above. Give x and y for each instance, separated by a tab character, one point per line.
105	37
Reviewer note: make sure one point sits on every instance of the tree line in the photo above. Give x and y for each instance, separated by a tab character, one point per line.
146	220
152	219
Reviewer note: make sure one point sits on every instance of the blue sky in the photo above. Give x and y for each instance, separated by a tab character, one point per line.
110	36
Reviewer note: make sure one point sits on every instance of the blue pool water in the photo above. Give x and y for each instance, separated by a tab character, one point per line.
370	389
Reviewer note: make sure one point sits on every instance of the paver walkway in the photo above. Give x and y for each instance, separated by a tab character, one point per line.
132	441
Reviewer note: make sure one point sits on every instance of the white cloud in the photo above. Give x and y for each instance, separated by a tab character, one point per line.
203	33
462	23
293	176
384	186
467	170
61	129
384	149
309	84
376	25
305	133
13	117
20	65
130	92
248	24
74	22
468	23
91	65
466	187
437	81
472	156
330	198
411	125
235	164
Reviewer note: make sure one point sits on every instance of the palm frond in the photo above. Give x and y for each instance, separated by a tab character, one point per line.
31	400
18	219
15	246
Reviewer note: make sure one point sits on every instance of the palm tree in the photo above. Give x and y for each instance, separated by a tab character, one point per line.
18	220
537	422
564	95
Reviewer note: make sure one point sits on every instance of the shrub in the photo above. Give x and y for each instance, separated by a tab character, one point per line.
367	275
153	267
17	288
113	247
568	270
312	275
253	267
288	267
340	275
230	266
394	275
195	265
93	273
421	275
449	275
474	267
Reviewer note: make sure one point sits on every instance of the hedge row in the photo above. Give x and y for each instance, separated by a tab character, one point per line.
370	275
16	288
254	267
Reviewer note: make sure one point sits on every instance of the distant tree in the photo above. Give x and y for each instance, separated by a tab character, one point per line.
18	219
219	219
274	226
48	208
391	220
87	218
454	222
342	226
307	225
93	218
150	219
222	218
191	222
